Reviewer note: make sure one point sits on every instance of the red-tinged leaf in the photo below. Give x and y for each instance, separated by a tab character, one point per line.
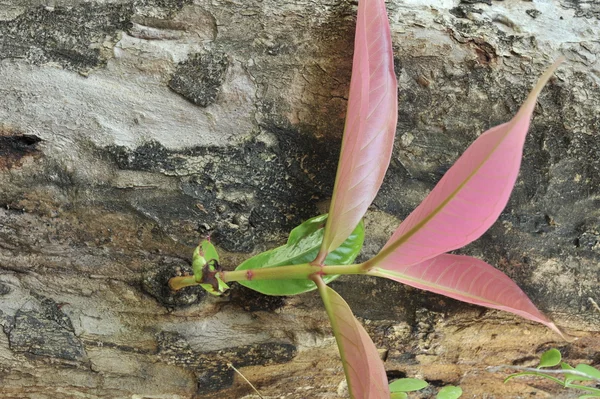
469	280
370	125
470	196
364	369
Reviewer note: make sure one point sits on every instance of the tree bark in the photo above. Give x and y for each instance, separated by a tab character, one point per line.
131	129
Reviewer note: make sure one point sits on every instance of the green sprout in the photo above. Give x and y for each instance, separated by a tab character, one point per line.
572	377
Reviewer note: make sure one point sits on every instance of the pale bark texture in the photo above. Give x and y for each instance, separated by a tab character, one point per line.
130	129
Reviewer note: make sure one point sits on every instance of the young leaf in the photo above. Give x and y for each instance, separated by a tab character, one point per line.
470	196
203	253
449	392
205	261
593	374
469	280
550	358
370	125
407	385
398	395
364	369
302	247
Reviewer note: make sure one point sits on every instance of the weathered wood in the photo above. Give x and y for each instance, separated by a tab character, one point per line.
131	129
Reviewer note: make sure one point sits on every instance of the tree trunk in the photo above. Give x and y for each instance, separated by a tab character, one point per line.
131	129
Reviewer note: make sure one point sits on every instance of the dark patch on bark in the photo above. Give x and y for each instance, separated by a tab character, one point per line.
45	331
394	375
251	195
252	301
173	5
464	11
155	281
70	36
151	156
211	368
15	146
533	13
199	79
4	289
370	298
73	36
396	356
94	343
485	52
583	8
486	2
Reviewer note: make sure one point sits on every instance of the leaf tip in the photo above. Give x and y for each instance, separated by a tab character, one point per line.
563	335
542	82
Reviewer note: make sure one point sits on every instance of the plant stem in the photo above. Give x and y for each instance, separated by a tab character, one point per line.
177	283
291	272
577	373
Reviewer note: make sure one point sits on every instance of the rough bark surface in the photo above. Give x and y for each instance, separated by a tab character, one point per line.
129	129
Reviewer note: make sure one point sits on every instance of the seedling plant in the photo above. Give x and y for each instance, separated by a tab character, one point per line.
461	207
566	376
400	388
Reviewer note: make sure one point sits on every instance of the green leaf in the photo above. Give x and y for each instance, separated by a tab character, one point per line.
589	370
592	372
449	392
302	247
398	395
407	385
203	253
550	358
584	368
209	250
205	261
589	396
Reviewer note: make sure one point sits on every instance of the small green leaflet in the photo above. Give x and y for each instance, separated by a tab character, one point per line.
589	370
206	254
407	385
399	388
203	253
550	358
449	392
592	372
302	247
585	372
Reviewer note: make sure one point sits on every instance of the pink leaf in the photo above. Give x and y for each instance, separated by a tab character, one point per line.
370	126
470	196
469	280
364	369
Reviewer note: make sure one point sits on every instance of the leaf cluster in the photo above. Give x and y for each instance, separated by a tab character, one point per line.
399	389
461	207
302	247
551	364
